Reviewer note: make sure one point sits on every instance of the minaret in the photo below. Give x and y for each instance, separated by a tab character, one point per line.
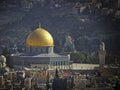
102	54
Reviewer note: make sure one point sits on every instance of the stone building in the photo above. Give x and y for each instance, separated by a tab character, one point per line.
69	45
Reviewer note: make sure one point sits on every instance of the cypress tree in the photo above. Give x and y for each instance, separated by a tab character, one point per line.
56	74
47	82
59	83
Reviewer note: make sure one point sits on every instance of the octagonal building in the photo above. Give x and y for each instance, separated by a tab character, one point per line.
40	52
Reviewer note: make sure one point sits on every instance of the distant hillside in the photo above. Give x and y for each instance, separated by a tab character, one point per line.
86	30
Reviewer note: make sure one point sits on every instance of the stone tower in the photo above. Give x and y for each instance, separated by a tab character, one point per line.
102	54
69	45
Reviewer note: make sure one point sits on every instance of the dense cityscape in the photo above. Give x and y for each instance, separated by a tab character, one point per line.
59	45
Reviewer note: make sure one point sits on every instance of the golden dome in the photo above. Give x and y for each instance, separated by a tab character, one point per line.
40	37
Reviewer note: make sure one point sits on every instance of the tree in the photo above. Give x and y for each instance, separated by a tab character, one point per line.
56	74
47	82
72	83
59	83
78	57
92	59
